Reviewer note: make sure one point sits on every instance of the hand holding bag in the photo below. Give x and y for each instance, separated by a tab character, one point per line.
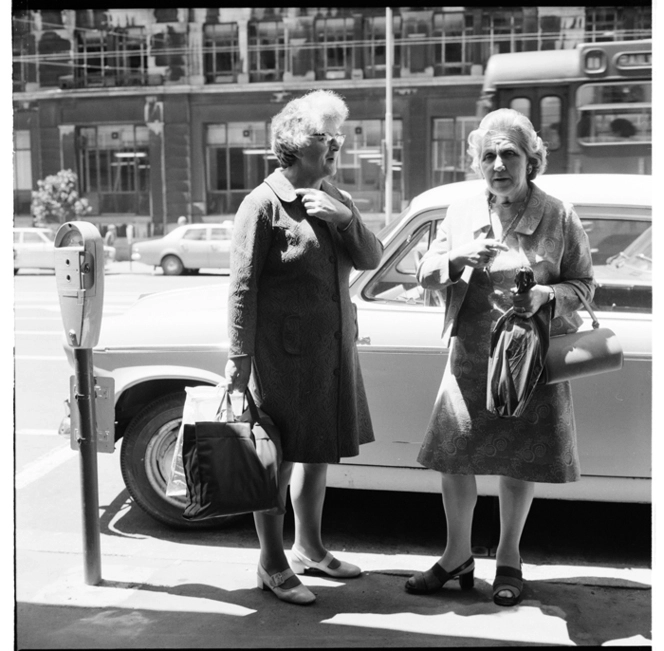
232	465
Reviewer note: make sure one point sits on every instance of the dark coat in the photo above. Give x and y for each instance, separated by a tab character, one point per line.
290	309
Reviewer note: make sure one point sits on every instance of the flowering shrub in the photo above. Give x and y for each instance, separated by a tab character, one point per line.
57	201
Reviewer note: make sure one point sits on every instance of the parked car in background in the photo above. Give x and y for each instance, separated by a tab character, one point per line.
170	340
34	248
188	249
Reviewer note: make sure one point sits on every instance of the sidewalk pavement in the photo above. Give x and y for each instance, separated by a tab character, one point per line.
161	594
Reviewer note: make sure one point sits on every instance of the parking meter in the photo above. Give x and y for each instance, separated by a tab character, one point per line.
79	275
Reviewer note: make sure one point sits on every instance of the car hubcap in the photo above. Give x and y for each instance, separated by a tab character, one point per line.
158	459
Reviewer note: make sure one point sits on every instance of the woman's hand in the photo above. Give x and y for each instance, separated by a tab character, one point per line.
237	373
526	304
320	204
478	254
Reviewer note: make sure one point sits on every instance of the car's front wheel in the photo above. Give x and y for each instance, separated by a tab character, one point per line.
172	266
145	460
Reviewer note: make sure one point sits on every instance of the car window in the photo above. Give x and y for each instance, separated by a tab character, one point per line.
32	238
608	237
624	284
396	281
221	234
49	235
194	234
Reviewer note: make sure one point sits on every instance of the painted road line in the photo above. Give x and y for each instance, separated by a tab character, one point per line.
43	465
42	358
37	432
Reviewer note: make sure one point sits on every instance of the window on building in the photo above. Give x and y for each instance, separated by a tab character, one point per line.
615	114
452	31
336	47
266	50
361	168
301	48
238	158
551	115
375	37
449	159
502	31
417	52
221	53
111	58
114	168
602	23
23	49
22	172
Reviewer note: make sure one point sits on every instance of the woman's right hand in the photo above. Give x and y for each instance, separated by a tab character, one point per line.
477	254
238	370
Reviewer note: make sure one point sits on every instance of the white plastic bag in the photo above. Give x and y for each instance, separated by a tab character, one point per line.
202	404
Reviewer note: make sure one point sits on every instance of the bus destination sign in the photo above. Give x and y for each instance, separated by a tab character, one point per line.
634	60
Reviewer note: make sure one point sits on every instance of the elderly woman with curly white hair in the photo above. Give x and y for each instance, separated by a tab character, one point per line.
293	329
484	240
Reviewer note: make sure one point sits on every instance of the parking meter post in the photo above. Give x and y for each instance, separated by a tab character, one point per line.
87	442
79	274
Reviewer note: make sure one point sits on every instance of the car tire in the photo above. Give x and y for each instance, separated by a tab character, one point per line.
172	266
145	461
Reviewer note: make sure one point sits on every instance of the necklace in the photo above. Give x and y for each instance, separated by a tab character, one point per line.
512	225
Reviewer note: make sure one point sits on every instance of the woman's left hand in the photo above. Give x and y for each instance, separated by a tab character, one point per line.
526	305
321	205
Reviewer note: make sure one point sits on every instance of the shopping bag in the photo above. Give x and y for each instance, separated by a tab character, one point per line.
517	355
231	465
201	404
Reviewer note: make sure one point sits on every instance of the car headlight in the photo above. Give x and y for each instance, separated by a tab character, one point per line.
135	255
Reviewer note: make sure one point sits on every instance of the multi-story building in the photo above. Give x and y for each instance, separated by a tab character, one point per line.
166	112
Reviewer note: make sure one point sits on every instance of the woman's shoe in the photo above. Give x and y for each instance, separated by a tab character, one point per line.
300	594
300	563
511	579
435	578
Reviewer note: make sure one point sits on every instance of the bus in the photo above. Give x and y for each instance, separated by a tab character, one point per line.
592	105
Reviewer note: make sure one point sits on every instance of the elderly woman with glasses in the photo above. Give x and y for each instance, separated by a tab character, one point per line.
293	329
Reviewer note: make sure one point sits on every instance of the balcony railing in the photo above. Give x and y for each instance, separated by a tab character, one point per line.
436	55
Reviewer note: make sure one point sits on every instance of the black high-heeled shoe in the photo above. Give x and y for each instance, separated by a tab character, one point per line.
435	578
509	579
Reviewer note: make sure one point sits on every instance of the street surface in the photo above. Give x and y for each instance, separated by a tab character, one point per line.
587	565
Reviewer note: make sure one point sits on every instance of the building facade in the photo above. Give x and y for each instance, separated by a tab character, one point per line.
166	112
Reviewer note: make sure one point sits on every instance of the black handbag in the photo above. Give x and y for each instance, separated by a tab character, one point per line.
580	354
232	466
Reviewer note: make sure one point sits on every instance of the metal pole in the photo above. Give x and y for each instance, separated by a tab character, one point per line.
87	442
389	59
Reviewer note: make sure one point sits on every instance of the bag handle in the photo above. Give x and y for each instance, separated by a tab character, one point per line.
586	304
228	404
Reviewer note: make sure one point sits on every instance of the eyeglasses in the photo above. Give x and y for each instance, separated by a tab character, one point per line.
328	137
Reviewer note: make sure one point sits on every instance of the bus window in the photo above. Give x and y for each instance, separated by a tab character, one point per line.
521	104
612	114
551	117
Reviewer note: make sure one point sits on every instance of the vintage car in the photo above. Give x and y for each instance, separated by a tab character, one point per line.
187	249
34	249
173	339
